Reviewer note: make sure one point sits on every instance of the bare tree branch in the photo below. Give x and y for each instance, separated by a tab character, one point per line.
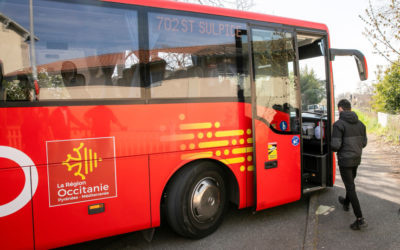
383	29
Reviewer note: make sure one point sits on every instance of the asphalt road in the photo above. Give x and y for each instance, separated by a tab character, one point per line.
276	228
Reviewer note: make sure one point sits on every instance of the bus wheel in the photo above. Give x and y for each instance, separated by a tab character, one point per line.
196	200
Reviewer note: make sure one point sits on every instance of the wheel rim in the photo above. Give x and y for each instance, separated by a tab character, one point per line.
205	202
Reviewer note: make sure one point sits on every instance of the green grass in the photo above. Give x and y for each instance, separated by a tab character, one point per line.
388	134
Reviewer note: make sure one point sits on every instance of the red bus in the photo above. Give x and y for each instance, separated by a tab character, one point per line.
113	112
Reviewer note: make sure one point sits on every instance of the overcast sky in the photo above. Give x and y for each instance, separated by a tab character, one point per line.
345	28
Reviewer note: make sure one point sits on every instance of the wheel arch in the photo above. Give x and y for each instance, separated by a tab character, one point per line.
230	179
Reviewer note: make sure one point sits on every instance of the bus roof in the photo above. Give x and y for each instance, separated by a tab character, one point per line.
223	12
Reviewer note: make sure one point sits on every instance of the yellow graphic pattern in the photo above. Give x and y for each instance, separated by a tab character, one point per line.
234	160
213	144
195	126
229	133
231	147
83	163
242	150
197	155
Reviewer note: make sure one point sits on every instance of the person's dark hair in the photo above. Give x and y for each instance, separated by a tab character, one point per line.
344	104
68	67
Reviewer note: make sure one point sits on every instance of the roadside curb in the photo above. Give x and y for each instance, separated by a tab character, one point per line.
311	233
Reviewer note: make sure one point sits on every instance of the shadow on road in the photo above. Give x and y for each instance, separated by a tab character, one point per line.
281	227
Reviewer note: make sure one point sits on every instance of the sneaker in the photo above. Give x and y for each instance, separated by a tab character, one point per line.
359	224
341	201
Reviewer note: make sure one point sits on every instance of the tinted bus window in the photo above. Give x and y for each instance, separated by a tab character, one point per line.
16	84
196	57
86	52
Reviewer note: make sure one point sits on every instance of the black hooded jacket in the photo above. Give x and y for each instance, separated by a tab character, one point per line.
349	137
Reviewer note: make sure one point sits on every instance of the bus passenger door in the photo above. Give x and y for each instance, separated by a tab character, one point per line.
275	111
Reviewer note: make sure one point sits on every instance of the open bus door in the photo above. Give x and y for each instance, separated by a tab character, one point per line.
275	111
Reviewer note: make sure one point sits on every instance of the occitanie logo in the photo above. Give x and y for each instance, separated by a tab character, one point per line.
84	161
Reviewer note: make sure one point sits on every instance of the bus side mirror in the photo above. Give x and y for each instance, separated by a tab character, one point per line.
359	57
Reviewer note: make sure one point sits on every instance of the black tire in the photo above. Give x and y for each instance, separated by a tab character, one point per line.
196	200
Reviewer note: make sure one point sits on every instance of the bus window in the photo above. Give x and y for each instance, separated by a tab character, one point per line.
90	53
16	84
193	57
312	73
276	88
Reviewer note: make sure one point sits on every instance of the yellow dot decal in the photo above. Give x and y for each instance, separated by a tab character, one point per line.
234	142
183	147
248	131
226	152
218	153
192	146
209	134
241	141
242	168
182	117
217	124
200	135
250	168
249	158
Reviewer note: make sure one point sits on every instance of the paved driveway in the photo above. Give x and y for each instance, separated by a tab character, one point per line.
378	189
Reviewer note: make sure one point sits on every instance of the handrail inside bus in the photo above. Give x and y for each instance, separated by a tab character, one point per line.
359	57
